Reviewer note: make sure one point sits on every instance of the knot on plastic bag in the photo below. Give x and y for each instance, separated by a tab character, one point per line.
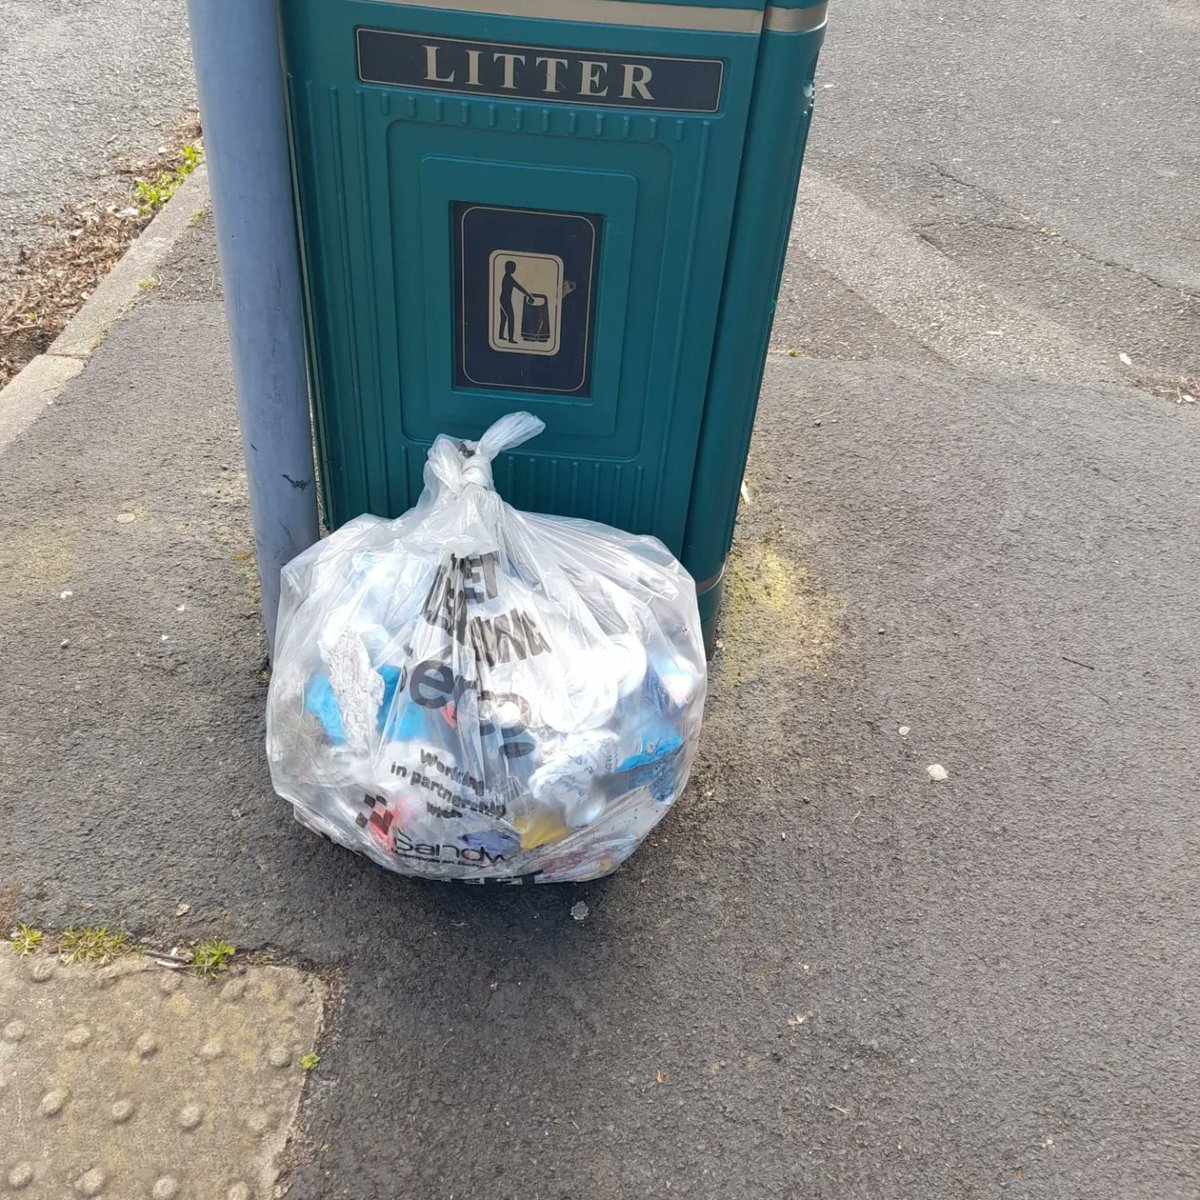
474	469
457	465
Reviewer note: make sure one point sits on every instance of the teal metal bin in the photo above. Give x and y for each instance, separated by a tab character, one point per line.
575	207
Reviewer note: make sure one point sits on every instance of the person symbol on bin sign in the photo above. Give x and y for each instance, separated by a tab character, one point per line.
507	284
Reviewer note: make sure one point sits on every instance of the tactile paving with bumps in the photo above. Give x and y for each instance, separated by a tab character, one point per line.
134	1081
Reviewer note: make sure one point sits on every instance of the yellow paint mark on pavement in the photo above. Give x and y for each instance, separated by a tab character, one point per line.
777	613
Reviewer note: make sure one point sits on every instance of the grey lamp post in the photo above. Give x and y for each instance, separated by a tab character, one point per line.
235	45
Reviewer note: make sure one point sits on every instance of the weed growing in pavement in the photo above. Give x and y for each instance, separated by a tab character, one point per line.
92	943
153	193
308	1062
211	958
25	939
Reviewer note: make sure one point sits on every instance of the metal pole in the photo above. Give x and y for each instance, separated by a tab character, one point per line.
235	44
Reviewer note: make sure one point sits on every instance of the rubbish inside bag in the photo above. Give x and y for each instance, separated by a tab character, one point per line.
471	692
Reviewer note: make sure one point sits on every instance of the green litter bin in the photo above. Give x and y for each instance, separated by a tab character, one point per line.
579	209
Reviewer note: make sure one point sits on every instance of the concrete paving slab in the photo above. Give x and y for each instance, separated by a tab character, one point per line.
133	1080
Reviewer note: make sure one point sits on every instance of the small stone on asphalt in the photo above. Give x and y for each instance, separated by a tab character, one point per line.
937	772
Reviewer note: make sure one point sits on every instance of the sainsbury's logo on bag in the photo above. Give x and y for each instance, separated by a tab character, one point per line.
404	846
461	582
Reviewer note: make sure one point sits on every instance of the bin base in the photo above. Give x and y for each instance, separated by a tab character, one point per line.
708	595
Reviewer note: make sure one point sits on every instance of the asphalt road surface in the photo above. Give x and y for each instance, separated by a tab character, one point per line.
1051	151
1081	114
83	82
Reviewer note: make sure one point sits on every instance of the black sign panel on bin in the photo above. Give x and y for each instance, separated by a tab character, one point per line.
524	298
542	73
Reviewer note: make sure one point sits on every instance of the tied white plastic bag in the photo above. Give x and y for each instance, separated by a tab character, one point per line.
471	692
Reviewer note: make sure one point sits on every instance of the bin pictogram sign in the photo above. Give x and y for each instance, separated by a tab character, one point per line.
527	294
525	298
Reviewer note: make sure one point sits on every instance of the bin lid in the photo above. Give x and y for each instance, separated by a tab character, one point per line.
727	16
719	16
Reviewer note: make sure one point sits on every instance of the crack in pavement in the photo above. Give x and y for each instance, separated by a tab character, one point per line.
905	277
1031	226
